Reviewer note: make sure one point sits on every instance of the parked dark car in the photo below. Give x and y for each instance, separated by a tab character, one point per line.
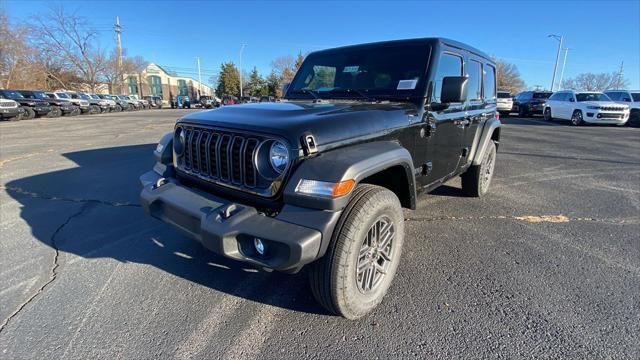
267	99
530	102
32	107
58	107
321	179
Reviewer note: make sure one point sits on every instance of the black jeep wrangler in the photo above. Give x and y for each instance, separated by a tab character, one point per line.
58	107
31	107
322	177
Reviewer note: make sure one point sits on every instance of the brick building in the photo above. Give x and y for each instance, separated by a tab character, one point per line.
154	80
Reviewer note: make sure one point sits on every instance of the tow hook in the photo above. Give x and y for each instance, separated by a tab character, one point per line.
159	183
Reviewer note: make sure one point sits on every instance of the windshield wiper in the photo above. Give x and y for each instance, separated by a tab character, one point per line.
352	90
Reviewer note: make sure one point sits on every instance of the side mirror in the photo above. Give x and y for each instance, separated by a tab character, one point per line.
454	89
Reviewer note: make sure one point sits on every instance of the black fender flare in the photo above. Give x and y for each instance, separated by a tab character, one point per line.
487	135
352	162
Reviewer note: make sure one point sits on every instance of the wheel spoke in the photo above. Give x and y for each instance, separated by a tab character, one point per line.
379	268
384	254
374	254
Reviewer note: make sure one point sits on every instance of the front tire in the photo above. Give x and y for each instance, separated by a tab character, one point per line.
29	114
55	112
576	118
522	112
476	180
361	261
547	114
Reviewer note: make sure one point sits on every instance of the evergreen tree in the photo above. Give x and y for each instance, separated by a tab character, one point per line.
228	80
299	61
273	85
255	84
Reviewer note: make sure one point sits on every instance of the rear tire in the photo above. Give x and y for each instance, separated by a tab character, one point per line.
368	237
476	180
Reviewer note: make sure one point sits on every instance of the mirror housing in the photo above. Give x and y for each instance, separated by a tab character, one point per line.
454	89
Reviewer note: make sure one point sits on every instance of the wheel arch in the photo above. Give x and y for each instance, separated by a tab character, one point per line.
383	163
490	132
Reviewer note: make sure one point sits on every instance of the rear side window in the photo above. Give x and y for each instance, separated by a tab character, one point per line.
475	81
541	95
490	82
449	65
557	96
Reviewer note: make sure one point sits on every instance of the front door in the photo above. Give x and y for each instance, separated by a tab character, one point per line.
438	143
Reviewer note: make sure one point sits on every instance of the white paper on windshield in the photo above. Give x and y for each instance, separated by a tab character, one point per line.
407	84
351	69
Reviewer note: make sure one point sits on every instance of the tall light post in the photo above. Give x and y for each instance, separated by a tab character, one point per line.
555	67
241	48
564	63
199	78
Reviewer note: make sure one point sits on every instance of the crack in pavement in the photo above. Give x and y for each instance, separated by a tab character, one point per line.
527	218
81	201
53	273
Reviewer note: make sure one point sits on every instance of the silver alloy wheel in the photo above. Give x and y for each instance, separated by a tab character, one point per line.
376	254
576	118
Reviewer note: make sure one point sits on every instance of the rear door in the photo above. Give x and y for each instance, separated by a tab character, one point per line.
480	105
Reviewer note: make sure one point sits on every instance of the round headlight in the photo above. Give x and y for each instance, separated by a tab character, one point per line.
178	141
279	156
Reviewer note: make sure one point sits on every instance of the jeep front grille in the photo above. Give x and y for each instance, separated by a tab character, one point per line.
224	157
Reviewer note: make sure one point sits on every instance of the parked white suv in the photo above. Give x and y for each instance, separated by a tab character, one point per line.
585	107
81	103
628	97
504	103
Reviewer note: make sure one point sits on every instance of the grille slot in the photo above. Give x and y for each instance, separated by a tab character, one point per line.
226	158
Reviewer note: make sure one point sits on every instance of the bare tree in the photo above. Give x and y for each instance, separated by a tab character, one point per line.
284	67
115	75
14	52
596	82
72	41
508	77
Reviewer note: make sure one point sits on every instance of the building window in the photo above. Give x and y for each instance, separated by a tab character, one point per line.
133	85
155	85
182	88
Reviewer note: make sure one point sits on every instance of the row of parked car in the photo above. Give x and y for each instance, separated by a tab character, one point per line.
617	107
28	104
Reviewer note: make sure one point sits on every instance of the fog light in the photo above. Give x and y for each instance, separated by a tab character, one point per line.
260	246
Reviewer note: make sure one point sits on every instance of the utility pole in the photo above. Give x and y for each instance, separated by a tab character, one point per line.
199	78
555	67
241	48
564	63
621	76
119	49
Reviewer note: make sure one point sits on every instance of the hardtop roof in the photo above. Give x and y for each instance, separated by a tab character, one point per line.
430	40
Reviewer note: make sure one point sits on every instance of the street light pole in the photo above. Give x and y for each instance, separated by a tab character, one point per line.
555	67
199	78
564	63
241	48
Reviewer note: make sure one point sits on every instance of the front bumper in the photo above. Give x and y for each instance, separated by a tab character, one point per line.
42	110
229	228
7	113
606	117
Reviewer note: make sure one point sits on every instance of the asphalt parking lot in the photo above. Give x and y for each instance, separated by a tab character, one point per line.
547	265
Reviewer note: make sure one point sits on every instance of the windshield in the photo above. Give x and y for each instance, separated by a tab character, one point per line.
392	71
94	96
62	95
84	96
504	95
592	97
12	94
541	95
39	95
122	97
635	96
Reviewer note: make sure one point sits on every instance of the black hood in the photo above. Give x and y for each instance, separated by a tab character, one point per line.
328	122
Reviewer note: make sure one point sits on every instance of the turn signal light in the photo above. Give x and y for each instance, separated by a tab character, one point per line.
323	188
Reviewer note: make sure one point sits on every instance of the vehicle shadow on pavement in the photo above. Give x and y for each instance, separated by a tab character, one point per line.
106	221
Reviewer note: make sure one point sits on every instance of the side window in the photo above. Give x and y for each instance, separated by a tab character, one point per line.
625	97
556	96
615	96
489	82
449	65
475	81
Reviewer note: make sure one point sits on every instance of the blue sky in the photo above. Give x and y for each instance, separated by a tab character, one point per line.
600	34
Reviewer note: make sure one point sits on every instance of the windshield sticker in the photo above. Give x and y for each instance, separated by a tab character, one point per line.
407	84
351	69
